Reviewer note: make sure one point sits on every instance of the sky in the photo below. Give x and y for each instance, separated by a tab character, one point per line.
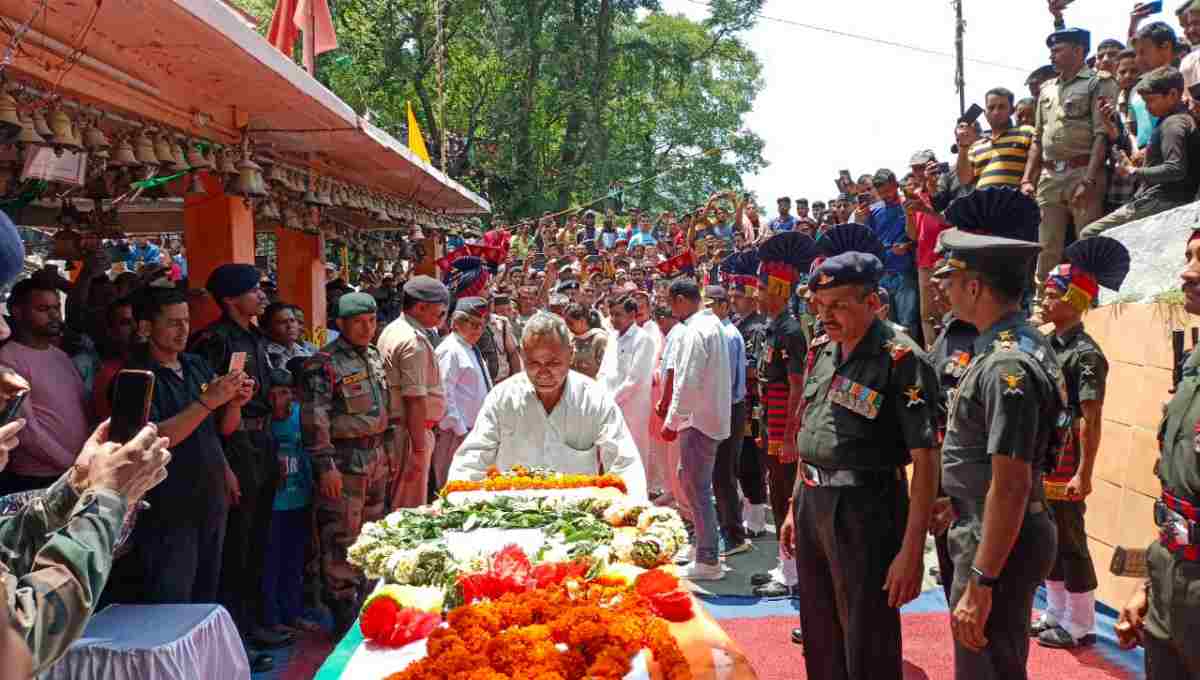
831	102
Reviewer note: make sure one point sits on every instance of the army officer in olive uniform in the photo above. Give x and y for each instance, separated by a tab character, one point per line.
1003	427
1164	614
869	408
343	415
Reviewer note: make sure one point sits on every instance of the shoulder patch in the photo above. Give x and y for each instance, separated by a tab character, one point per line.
1014	382
896	349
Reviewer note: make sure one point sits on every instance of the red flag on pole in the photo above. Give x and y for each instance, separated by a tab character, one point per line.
292	16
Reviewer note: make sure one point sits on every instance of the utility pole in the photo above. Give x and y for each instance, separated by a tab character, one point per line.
959	80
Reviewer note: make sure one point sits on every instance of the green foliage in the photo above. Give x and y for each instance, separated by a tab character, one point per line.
552	103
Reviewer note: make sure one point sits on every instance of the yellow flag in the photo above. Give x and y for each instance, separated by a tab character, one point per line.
416	142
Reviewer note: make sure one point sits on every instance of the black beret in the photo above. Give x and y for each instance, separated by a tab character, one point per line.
232	279
847	268
426	289
353	304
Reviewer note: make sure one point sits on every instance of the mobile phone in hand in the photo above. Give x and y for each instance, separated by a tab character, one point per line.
13	408
131	394
972	114
237	361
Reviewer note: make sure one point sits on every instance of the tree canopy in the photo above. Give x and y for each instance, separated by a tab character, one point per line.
553	103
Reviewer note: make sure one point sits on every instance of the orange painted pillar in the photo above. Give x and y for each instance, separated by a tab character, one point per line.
301	272
217	229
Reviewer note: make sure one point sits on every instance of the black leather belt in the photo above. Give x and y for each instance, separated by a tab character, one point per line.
369	441
819	476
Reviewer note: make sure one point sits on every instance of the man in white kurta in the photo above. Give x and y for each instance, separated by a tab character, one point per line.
466	381
552	417
629	378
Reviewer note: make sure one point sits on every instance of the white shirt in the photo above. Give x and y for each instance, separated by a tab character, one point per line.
670	351
703	391
462	378
585	430
629	380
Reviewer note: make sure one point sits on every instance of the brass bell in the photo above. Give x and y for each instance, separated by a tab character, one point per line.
39	124
163	150
268	212
249	182
276	174
10	121
96	142
310	197
123	157
196	186
225	163
28	134
178	159
63	131
195	157
323	194
143	150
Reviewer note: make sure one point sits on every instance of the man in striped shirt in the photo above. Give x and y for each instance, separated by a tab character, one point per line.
999	158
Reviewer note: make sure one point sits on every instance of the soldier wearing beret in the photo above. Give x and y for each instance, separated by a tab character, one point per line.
1070	616
869	409
418	399
343	417
1065	167
249	450
1164	613
1005	421
783	258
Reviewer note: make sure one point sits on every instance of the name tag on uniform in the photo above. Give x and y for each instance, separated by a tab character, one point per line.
355	378
861	399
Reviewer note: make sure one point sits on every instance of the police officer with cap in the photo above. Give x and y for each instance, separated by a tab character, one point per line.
869	409
249	450
1071	288
1005	421
343	417
1065	169
418	399
1163	614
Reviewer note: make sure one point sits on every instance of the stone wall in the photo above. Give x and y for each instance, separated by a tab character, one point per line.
1136	338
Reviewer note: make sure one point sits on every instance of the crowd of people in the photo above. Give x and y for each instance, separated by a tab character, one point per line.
749	372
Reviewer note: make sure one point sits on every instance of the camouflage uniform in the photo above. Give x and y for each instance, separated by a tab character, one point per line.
55	556
343	415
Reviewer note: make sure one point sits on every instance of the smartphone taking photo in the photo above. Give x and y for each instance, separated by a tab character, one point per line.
132	392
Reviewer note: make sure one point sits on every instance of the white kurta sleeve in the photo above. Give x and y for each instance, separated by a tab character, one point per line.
639	371
480	449
448	365
618	452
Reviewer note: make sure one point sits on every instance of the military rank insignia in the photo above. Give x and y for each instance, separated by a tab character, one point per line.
896	350
956	365
1012	382
862	400
914	396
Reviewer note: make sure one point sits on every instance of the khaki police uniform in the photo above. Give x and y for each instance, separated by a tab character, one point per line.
1067	123
412	371
343	416
863	415
1011	402
1172	624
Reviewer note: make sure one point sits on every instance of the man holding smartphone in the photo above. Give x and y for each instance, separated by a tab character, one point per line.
249	449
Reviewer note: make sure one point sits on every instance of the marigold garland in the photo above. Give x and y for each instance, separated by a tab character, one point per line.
517	636
521	478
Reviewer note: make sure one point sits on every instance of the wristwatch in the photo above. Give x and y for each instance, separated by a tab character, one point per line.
983	579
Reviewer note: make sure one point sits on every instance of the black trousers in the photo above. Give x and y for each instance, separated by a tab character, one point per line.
1007	629
752	472
725	479
846	539
176	562
252	457
1073	563
781	480
945	565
